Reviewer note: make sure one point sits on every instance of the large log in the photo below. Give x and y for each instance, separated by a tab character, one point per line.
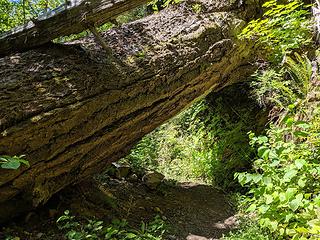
72	109
72	17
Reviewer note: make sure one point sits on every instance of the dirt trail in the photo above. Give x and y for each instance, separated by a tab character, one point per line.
190	208
194	211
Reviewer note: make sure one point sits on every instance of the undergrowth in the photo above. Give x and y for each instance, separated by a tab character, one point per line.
280	169
283	28
93	229
247	230
283	184
206	143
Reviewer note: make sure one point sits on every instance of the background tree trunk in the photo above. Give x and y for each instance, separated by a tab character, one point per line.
73	109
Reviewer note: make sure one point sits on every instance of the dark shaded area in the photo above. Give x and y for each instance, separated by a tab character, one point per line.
230	114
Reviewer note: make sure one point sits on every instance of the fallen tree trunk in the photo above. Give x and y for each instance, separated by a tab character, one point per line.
63	21
72	109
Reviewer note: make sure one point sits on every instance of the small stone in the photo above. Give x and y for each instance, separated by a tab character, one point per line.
152	179
32	218
118	171
133	178
52	213
171	237
158	210
195	237
39	235
122	171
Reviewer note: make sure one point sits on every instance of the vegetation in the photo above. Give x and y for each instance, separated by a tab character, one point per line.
284	189
8	162
282	177
283	182
282	29
248	230
206	143
14	13
119	229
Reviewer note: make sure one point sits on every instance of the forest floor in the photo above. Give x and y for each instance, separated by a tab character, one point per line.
192	211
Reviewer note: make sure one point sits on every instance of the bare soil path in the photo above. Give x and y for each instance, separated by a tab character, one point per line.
193	211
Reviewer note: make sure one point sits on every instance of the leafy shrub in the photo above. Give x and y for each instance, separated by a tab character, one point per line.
119	229
283	85
207	142
282	28
144	154
285	187
247	230
10	15
14	13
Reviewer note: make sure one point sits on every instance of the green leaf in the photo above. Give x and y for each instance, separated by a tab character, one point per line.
289	122
25	162
302	182
300	163
301	134
303	124
8	162
143	227
296	203
289	175
302	230
12	164
131	235
263	209
281	231
241	178
273	155
290	231
269	199
290	193
267	180
317	200
252	208
282	197
291	107
273	226
263	152
256	178
262	139
275	163
289	217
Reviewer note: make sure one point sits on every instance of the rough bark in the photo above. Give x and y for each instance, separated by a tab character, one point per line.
72	109
63	21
